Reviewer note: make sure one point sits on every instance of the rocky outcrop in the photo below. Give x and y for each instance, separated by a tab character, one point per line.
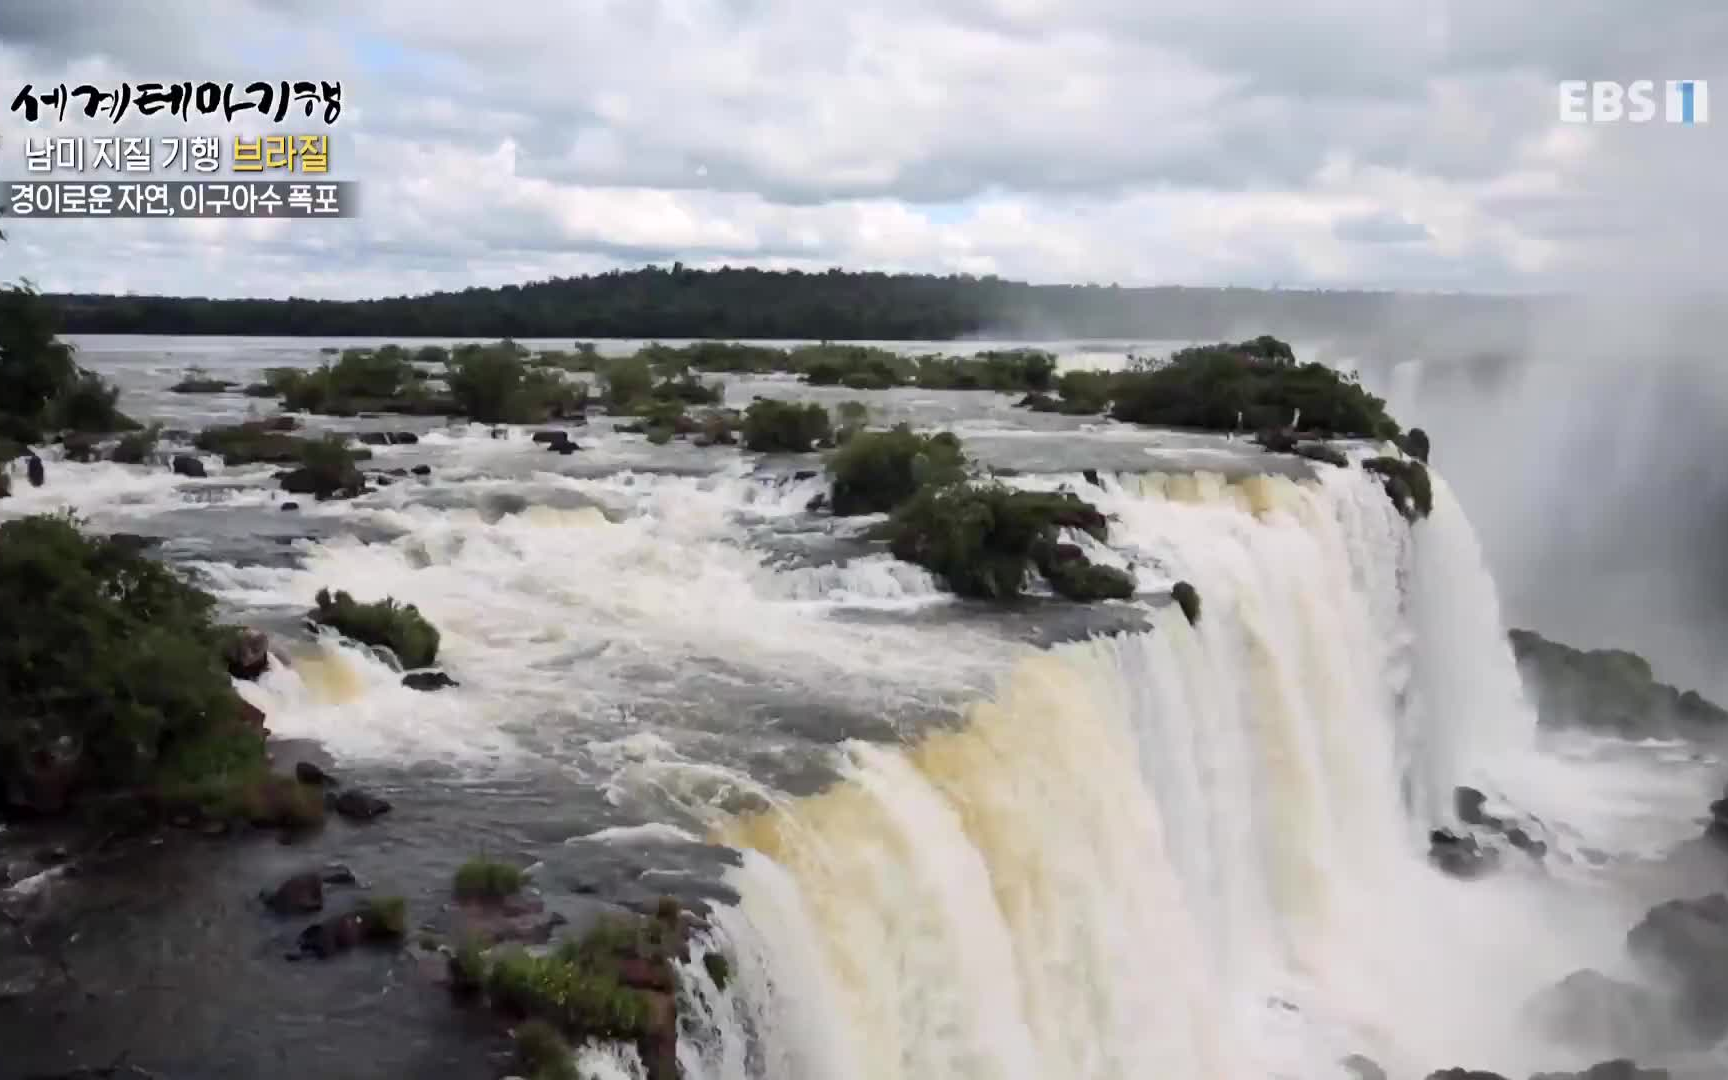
357	805
1609	691
1618	1069
376	922
558	441
299	895
1590	1009
1686	942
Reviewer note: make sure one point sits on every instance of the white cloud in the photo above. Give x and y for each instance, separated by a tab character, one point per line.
1348	142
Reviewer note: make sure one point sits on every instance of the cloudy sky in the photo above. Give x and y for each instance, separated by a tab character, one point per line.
1354	143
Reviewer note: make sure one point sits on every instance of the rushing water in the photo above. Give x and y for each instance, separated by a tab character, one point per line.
939	845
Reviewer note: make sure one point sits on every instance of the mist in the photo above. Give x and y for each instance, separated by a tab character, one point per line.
1586	445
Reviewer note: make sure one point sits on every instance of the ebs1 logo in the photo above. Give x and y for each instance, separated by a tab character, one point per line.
1686	102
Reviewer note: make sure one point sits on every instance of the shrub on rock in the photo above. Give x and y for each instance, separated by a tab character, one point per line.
135	448
784	426
252	442
399	627
328	470
492	385
1407	485
877	471
981	539
116	680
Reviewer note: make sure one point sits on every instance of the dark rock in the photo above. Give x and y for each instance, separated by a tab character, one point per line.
1323	452
1188	599
290	505
337	874
52	856
1363	1068
816	503
248	654
33	470
79	447
344	932
382	481
321	484
1618	1069
1468	803
1589	1009
358	805
1415	443
803	474
1091	476
1523	841
421	470
556	440
428	680
187	465
1277	440
299	895
1465	1074
1460	856
1687	941
308	773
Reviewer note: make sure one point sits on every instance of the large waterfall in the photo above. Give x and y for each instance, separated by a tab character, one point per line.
1194	853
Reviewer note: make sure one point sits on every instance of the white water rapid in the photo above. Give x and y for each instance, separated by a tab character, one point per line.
1192	854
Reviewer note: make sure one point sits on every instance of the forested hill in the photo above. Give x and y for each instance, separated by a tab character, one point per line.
656	302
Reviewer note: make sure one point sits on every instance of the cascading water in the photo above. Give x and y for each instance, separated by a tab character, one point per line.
1194	853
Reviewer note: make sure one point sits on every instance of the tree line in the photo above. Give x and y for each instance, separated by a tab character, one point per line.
678	302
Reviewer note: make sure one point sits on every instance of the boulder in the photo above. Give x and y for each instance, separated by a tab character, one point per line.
1322	452
371	923
1460	856
1687	941
299	895
33	470
428	680
187	465
1465	1074
1091	477
357	805
248	654
556	440
1468	803
1277	440
1188	599
421	470
290	505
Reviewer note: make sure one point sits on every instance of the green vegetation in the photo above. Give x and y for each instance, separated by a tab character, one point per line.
982	540
398	627
467	966
486	879
574	988
385	917
1249	385
252	442
671	302
492	384
116	680
876	471
42	388
136	448
542	1053
1407	485
1415	444
785	427
328	469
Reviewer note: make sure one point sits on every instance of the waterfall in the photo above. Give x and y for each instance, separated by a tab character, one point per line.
1193	853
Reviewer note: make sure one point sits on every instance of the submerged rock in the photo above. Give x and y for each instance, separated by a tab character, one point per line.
559	441
187	465
299	895
357	805
308	773
428	680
